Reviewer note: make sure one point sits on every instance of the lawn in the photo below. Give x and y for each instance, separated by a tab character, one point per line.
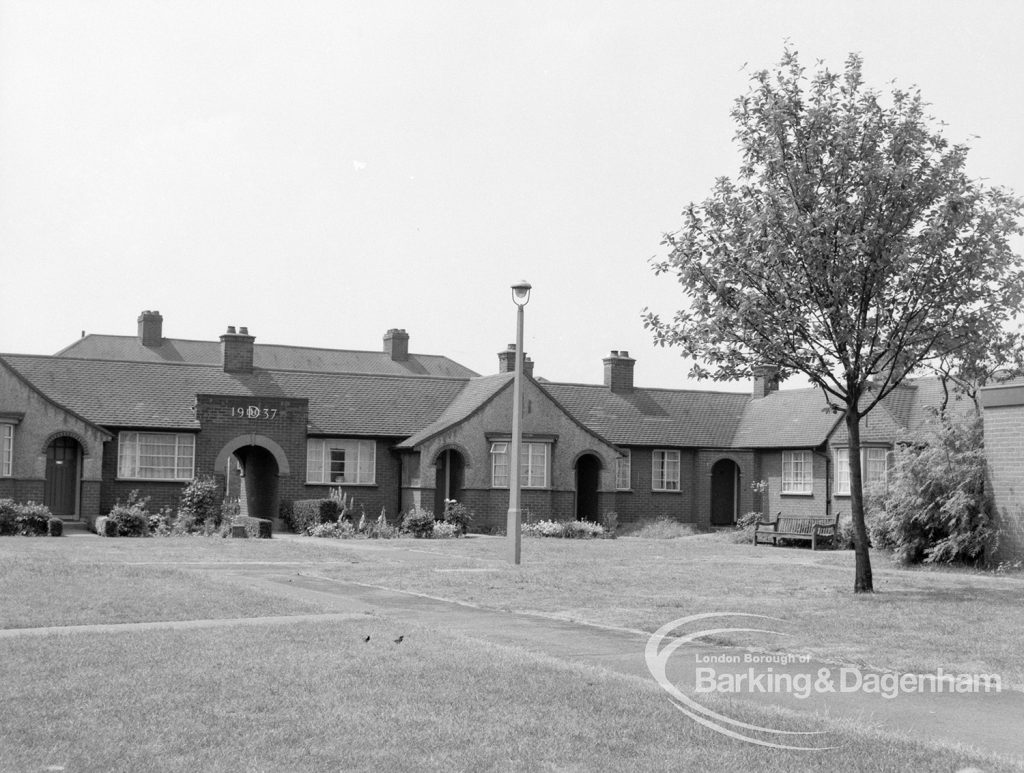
313	695
917	621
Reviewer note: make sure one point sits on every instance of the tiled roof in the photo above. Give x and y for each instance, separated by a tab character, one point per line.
793	418
158	395
476	393
651	417
266	356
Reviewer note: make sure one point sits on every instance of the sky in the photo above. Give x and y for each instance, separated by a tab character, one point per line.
321	172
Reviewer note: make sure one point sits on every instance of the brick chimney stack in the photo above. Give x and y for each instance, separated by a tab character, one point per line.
618	371
151	328
507	361
396	344
766	380
237	350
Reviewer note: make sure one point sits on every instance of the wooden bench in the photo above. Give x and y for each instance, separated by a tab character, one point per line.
809	528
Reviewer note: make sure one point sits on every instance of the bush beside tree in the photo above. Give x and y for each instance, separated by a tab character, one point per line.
936	508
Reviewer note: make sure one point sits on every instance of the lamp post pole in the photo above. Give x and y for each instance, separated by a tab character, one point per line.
520	295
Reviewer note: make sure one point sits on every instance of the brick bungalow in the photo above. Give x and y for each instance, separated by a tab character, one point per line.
81	429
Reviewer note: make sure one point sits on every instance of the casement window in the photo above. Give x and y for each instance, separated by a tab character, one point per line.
156	455
797	472
874	468
665	470
534	464
338	461
6	450
623	469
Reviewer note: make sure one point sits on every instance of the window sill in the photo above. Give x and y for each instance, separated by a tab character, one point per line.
666	491
156	480
796	494
340	485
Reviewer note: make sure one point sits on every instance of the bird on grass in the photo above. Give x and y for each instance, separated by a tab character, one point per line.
367	637
399	640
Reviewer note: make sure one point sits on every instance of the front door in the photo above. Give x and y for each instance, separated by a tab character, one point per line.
588	480
449	479
723	492
60	490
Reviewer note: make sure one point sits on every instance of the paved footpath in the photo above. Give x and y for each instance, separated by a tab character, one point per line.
990	722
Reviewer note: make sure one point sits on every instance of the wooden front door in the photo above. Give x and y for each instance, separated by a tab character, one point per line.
723	492
60	490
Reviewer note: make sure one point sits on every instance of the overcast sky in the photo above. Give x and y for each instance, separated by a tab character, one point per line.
323	171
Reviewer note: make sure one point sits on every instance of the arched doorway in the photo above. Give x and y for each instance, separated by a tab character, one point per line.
63	476
259	482
448	481
261	461
724	492
588	480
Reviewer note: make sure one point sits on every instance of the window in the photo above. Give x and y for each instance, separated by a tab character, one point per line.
874	468
623	469
6	450
155	455
533	465
665	471
797	472
333	460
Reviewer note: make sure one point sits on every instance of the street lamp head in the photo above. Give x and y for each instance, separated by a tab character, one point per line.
521	292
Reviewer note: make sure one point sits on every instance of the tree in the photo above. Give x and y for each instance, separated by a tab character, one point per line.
852	248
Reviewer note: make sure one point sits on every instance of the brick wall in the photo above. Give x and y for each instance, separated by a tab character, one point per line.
1004	454
813	504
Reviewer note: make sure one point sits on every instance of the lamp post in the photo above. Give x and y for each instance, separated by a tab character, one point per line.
520	296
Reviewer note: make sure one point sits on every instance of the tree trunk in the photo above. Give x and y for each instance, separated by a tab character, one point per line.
862	574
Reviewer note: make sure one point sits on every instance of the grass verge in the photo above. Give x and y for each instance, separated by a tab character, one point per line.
316	696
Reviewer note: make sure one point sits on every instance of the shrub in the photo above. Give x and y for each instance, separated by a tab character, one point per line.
381	529
106	527
564	529
132	517
458	514
161	522
8	511
936	509
418	522
336	529
55	527
31	519
745	525
307	513
446	530
286	512
256	528
200	502
230	509
610	521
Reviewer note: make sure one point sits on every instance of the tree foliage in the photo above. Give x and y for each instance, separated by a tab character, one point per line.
852	248
935	509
